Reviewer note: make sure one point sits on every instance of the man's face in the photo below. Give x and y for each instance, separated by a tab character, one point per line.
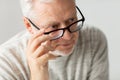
58	13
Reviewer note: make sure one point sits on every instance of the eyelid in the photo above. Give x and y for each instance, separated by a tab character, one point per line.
70	20
54	26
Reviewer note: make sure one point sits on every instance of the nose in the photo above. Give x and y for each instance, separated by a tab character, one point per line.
67	35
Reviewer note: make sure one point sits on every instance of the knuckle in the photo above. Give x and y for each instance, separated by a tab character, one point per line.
47	56
36	41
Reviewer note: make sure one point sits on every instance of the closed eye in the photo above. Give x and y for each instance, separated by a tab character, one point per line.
51	28
54	26
70	21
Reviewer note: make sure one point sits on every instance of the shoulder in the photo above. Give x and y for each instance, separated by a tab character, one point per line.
95	52
93	35
94	41
16	41
12	56
15	45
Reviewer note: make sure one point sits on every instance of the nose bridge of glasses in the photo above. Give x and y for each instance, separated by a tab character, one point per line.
63	32
66	34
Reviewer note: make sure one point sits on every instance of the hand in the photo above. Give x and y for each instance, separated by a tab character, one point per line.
38	56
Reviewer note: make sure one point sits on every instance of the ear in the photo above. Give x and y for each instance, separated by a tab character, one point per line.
28	25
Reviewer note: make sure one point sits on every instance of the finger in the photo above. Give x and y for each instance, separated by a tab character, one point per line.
40	51
37	42
44	59
34	36
48	45
44	48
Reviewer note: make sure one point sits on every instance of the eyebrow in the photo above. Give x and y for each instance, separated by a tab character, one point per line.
50	23
56	23
72	15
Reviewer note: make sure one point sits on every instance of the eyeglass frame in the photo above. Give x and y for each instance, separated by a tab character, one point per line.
68	27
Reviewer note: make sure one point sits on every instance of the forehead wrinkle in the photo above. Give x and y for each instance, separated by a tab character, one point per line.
53	14
63	14
60	5
40	13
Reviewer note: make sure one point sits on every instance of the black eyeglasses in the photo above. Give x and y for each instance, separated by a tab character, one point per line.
58	33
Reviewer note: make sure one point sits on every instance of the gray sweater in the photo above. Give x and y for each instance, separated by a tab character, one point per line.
89	60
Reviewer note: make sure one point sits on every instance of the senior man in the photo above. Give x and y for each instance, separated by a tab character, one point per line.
54	46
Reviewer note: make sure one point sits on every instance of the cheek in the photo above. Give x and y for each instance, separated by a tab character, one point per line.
75	35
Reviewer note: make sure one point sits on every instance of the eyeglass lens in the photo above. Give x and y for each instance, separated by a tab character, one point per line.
72	28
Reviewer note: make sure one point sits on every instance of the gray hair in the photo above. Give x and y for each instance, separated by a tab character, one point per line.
27	5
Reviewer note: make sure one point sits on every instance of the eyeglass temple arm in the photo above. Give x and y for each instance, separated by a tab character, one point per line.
80	13
33	24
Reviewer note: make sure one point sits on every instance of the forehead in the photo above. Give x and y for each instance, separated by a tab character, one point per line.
57	11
